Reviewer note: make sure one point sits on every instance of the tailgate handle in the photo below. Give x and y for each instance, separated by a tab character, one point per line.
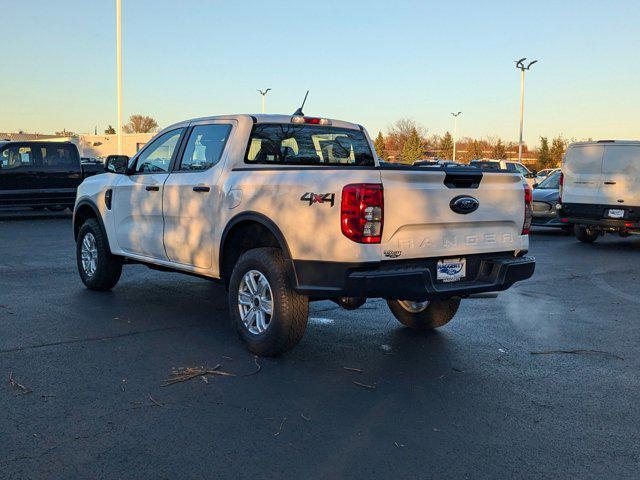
152	188
201	188
609	183
462	179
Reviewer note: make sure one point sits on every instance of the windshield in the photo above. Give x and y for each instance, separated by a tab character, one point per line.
551	182
307	145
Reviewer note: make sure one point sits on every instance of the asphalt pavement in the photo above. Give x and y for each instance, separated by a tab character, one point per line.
360	396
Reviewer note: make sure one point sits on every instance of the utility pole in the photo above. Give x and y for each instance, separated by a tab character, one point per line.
264	97
119	71
455	132
522	68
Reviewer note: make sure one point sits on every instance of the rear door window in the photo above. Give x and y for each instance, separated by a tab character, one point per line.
288	144
622	160
584	160
204	148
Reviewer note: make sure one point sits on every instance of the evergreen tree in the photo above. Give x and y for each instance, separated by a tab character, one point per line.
558	146
544	155
412	148
445	149
380	146
110	130
475	150
499	151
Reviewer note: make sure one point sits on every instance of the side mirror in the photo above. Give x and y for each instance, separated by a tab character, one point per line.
534	173
535	185
116	164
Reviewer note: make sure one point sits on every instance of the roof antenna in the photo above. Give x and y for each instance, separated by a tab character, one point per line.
299	111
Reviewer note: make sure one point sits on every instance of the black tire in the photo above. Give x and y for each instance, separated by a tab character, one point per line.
289	310
436	314
584	234
108	267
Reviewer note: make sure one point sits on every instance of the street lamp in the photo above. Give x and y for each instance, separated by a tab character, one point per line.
520	65
455	131
264	96
119	71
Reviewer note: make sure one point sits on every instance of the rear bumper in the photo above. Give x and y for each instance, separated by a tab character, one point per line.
589	214
409	279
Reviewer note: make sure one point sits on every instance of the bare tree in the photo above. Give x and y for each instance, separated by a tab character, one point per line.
140	124
399	132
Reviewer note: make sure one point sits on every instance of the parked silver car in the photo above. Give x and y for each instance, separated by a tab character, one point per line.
545	199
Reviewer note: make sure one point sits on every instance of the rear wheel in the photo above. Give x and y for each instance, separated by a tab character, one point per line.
98	268
585	234
269	315
425	315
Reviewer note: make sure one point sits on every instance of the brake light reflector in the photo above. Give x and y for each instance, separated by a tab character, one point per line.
362	212
528	212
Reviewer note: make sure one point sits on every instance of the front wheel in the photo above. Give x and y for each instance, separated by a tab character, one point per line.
425	315
269	315
98	268
585	234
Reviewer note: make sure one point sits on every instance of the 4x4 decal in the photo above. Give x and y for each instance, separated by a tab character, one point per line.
312	198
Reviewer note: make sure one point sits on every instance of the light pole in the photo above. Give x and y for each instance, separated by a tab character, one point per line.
455	132
264	97
520	65
119	70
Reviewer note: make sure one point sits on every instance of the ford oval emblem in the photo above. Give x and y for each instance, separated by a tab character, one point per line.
464	204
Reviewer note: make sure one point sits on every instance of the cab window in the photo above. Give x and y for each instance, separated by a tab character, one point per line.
156	157
307	145
58	157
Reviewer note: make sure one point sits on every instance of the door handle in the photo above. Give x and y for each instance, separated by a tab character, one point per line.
201	188
152	188
609	183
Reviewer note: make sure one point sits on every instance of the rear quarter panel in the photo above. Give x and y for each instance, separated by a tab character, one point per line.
311	228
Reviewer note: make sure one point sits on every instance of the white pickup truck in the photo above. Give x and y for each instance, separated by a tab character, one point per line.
288	209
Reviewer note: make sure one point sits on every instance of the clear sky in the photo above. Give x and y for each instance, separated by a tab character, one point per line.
370	62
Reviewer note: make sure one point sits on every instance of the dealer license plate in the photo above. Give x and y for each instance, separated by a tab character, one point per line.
451	269
615	213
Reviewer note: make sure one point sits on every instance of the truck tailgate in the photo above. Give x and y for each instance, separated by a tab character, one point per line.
419	220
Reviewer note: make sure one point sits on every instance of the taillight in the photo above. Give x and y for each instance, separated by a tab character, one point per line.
362	212
528	199
560	189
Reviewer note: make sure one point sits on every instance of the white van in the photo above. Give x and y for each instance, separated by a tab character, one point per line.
600	188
